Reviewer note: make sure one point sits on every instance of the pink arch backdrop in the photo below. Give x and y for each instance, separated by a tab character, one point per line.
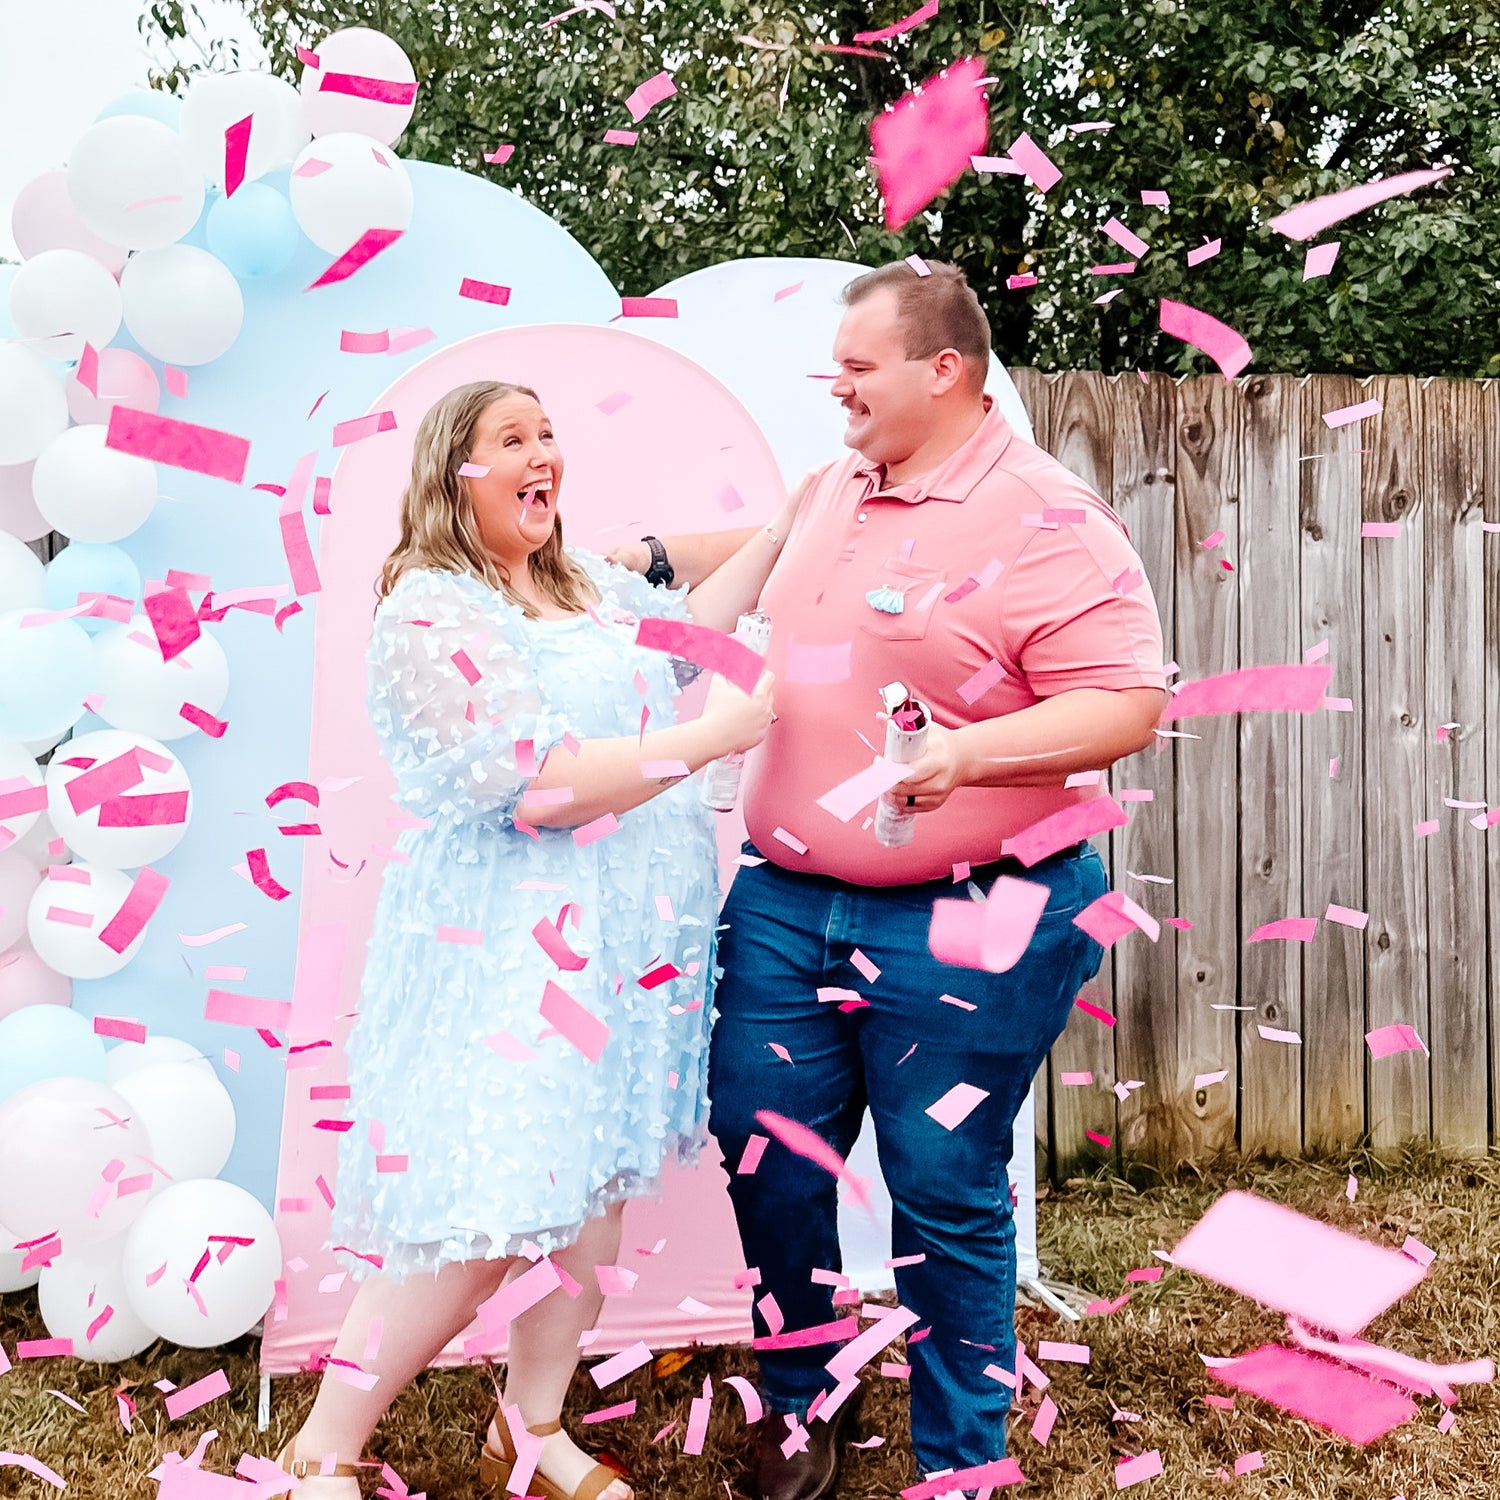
648	436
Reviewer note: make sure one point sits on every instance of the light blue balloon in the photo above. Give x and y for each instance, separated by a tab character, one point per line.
91	568
45	674
254	233
152	103
47	1041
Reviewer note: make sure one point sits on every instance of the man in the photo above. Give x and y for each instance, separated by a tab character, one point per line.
950	556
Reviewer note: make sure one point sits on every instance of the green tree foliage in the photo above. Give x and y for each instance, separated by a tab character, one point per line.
1235	111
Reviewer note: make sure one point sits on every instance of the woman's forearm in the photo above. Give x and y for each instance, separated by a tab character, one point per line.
614	775
734	586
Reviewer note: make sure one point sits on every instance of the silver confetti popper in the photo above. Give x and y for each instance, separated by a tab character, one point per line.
721	782
905	741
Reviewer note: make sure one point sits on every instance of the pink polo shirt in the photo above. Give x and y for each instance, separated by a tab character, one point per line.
1017	582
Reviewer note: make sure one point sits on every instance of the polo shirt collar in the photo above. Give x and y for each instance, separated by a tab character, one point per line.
955	478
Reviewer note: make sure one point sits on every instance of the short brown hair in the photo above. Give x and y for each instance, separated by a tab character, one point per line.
938	311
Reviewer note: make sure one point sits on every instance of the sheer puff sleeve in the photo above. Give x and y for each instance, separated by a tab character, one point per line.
453	700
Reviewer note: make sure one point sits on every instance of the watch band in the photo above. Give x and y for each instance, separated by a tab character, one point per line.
661	572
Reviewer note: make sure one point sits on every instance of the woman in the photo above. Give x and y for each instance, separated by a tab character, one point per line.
506	1046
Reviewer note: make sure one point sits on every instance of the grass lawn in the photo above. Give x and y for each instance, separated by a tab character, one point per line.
1145	1359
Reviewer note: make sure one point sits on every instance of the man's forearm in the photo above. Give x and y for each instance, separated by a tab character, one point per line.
696	554
1087	729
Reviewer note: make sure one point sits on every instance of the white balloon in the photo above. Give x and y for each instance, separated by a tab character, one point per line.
215	101
89	492
23	575
187	1113
111	847
18	764
182	305
232	1294
134	183
141	692
12	1277
78	1288
63	299
33	404
76	950
128	1058
361	185
18	879
357	52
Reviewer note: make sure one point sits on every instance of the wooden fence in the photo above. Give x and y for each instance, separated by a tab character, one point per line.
1272	815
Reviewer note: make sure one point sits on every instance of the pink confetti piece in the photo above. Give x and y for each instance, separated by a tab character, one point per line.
646	96
1333	1396
1387	1041
1033	161
1417	1251
589	833
246	1010
1277	1034
124	1028
1218	340
1346	916
140	905
901	27
377	90
1059	830
1125	238
923	144
1016	283
1090	1009
993	934
1046	1416
574	1022
1289	929
1277	689
33	1466
1347	414
44	1348
755	1148
973	688
803	1141
370	244
500	155
1098	1138
1112	916
351	342
1073	1354
356	429
997	1473
611	1413
403	339
607	1371
199	1393
956	1105
621	138
1115	268
236	151
87	373
1203	252
1319	260
648	307
179	445
857	792
1131	1471
1312	218
484	291
1427	827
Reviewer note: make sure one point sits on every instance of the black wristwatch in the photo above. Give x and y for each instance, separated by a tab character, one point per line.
661	572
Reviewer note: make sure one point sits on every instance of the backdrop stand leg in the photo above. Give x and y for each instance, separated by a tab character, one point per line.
263	1405
1039	1289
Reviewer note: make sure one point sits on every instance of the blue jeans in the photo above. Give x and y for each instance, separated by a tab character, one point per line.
790	934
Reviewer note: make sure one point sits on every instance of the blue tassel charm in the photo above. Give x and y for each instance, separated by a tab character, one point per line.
887	600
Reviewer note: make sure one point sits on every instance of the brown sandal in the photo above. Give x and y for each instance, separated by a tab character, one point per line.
309	1468
495	1468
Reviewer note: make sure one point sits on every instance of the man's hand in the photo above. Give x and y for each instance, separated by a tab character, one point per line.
633	555
934	777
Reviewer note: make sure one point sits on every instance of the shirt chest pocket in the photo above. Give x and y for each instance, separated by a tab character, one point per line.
920	589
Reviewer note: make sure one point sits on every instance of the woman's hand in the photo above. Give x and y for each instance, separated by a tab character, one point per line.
738	721
633	555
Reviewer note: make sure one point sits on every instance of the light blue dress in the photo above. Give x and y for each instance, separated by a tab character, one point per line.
510	1132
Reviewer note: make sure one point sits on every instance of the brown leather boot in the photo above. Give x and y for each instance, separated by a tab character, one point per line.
812	1474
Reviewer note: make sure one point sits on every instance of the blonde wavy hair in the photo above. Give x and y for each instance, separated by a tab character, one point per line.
438	526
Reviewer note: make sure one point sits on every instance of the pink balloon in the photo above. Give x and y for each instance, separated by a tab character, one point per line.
18	513
44	219
18	879
59	1142
125	379
26	980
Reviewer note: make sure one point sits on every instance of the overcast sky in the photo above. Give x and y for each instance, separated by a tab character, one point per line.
61	62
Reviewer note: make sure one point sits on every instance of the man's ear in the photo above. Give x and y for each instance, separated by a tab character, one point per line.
950	370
